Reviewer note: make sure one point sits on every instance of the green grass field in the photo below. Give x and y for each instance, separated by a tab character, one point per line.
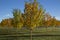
24	34
28	38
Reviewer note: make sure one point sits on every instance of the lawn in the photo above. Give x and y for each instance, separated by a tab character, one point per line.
42	33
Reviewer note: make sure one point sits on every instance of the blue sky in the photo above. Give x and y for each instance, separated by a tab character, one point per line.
7	6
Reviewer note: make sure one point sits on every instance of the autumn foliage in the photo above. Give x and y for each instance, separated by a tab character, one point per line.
34	15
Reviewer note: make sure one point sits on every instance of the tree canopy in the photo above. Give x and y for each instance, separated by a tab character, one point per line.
34	15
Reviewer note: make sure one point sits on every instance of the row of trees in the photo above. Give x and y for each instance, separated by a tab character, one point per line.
19	21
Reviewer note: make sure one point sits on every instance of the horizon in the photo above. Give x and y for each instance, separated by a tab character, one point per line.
7	6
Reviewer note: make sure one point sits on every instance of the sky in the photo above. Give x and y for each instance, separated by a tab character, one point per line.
7	6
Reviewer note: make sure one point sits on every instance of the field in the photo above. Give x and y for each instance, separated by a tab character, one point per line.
41	33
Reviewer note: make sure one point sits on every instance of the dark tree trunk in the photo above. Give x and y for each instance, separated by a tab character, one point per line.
31	34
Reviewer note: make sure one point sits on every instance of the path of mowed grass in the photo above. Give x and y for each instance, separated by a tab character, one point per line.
14	34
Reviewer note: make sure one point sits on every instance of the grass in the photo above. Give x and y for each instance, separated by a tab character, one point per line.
34	38
15	34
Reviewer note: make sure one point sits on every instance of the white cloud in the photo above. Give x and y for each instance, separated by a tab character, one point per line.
58	18
6	16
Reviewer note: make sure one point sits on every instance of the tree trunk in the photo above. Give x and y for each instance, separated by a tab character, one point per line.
31	34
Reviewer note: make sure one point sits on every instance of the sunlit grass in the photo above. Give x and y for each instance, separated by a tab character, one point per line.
36	31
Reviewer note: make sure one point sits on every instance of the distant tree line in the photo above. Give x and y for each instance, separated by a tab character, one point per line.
47	21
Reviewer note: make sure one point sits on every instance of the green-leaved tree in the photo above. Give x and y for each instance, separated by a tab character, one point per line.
17	18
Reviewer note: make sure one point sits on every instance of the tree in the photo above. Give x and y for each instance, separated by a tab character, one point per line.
53	21
6	22
41	20
57	23
18	19
47	19
33	15
0	24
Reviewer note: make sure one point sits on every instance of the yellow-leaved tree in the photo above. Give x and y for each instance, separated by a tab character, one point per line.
33	15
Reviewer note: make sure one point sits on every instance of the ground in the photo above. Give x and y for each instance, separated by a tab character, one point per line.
41	33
